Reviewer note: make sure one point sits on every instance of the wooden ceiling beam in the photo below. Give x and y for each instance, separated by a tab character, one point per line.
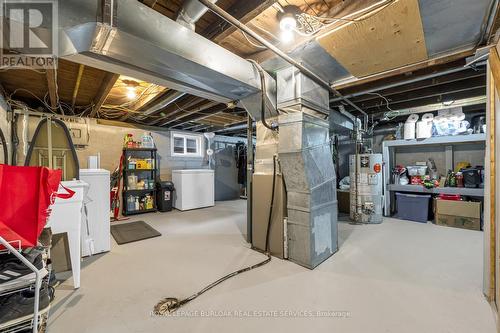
417	86
77	85
244	11
107	84
175	108
199	114
52	87
420	66
199	108
140	103
424	98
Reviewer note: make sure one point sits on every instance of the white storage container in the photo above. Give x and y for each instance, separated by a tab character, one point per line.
416	170
193	188
66	216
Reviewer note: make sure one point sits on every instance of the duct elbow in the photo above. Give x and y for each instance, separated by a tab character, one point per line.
191	12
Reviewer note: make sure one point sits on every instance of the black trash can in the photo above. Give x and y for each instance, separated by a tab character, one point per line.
164	196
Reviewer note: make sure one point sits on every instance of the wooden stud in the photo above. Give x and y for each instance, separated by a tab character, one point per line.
494	89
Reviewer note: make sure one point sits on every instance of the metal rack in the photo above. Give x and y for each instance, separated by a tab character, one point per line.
25	324
389	157
129	152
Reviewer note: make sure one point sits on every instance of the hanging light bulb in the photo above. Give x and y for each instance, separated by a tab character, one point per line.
287	36
288	22
131	92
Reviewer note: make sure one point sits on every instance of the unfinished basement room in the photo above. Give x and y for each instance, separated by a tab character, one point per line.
249	166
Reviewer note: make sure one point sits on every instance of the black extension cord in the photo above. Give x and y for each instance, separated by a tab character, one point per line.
171	304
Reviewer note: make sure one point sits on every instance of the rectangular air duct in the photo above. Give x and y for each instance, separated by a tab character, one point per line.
308	170
137	41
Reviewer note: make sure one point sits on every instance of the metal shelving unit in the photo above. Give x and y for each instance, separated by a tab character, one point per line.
472	192
389	156
138	153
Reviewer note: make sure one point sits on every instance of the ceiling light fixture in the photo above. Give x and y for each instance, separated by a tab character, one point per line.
288	22
131	92
131	87
287	36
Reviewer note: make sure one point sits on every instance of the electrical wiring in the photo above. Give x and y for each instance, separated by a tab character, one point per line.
267	32
15	103
388	115
318	23
363	17
252	43
384	98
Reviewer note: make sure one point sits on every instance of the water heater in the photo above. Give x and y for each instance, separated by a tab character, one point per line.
365	171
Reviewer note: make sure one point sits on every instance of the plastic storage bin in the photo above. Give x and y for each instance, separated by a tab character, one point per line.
416	170
412	207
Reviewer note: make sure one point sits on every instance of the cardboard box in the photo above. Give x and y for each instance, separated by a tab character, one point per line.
458	214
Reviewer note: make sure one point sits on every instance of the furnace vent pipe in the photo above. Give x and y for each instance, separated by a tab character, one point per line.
233	21
191	12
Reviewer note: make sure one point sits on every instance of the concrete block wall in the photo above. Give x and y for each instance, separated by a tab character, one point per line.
108	141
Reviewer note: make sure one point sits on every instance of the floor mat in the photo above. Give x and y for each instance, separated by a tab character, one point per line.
132	232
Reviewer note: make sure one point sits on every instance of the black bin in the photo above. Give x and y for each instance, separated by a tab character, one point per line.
164	193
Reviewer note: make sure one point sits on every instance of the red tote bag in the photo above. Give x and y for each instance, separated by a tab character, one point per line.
26	194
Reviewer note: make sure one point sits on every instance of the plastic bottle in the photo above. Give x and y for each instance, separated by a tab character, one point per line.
136	203
460	179
130	203
147	140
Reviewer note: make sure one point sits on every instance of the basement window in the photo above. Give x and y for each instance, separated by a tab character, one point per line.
186	145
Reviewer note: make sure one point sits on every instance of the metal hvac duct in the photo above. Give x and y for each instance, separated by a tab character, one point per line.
191	12
308	170
136	41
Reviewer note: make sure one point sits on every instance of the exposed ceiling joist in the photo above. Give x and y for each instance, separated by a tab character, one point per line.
199	108
465	78
444	60
187	102
422	100
194	116
52	87
107	84
77	84
244	11
159	103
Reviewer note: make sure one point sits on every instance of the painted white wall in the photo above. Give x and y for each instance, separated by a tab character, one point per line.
108	141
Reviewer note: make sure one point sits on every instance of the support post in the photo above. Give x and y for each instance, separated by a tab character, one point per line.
249	177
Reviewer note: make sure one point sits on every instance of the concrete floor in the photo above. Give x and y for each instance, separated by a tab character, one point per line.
396	277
